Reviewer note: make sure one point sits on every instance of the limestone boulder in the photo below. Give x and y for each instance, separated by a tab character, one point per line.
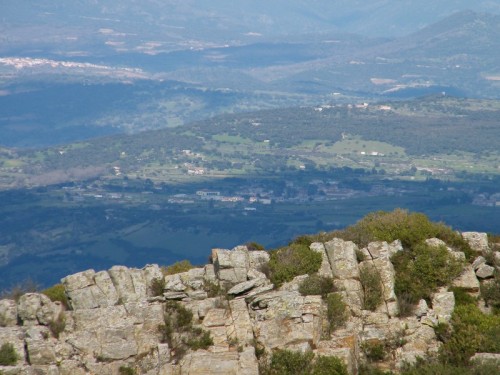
467	280
105	293
421	309
231	266
41	352
286	319
486	358
342	257
443	304
8	313
109	333
129	283
174	283
379	249
36	308
324	270
477	241
243	328
485	271
257	259
247	285
194	278
478	262
222	363
89	290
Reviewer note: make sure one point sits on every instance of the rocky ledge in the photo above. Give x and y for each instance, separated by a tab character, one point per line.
114	320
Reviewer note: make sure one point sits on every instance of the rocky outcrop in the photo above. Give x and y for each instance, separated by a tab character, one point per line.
117	317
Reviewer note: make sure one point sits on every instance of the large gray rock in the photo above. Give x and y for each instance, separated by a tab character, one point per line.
342	257
129	284
231	266
107	295
286	319
477	241
486	358
36	308
247	285
436	242
8	313
194	278
243	328
443	304
223	363
89	290
379	249
258	258
41	352
467	280
324	270
478	262
109	333
485	271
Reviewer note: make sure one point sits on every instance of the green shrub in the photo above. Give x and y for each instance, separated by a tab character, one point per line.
433	367
199	340
490	291
473	332
8	355
291	261
57	293
370	369
125	370
442	331
316	285
324	365
360	256
253	246
213	289
178	331
287	362
177	267
157	287
410	228
421	270
371	281
462	297
336	311
374	350
57	326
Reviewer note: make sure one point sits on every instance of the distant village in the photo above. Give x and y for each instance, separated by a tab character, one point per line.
248	198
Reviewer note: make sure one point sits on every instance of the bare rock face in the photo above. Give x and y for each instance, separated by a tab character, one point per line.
286	319
116	322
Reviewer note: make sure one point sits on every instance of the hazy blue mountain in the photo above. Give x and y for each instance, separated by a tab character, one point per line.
107	25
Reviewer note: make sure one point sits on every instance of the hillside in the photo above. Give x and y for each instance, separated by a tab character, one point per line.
51	98
427	133
322	303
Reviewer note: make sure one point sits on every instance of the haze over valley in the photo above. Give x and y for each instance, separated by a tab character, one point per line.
150	132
